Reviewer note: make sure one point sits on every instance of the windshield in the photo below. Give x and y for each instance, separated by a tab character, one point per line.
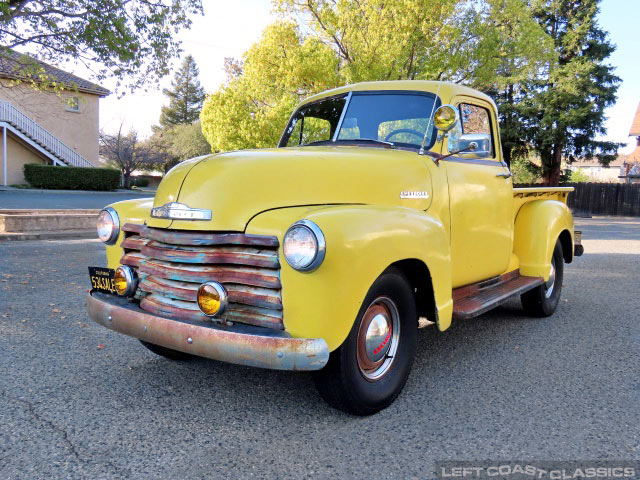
385	118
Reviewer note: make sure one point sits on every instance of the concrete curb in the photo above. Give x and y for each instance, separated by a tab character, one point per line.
47	224
24	221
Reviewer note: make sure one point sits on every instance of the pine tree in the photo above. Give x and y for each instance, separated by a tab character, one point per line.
565	108
185	96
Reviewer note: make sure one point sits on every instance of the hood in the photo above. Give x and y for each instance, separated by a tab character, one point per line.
237	186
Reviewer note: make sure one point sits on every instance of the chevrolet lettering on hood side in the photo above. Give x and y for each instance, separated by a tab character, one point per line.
383	205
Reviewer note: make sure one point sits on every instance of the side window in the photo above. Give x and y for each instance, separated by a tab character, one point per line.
475	119
308	130
315	129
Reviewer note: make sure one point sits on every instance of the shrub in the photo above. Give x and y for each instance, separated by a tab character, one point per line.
579	176
139	182
525	171
71	178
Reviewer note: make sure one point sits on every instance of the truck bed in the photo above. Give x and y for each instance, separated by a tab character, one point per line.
529	194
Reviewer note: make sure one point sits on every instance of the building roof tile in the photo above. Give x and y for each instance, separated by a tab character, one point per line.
16	65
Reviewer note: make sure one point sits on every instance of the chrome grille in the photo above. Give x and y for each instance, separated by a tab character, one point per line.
172	265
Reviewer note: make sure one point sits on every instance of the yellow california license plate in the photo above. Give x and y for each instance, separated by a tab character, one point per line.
102	279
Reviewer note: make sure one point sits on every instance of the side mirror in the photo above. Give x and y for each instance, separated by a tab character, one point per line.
474	145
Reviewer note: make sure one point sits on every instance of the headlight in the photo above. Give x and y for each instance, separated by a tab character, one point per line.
108	226
304	246
126	281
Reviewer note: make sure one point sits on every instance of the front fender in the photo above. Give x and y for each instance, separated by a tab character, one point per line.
361	242
129	211
538	226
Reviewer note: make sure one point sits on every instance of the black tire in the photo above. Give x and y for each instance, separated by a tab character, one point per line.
166	352
343	383
538	302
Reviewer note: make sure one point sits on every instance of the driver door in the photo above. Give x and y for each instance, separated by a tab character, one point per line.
480	201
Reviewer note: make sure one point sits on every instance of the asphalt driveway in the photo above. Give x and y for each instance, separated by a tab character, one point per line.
80	401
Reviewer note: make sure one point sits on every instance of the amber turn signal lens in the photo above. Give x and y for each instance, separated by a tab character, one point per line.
125	281
212	299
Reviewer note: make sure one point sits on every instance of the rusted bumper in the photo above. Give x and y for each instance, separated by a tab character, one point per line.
241	344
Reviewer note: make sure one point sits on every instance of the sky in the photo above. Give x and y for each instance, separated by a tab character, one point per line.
229	28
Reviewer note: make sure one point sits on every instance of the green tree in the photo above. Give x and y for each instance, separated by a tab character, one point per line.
188	141
388	39
178	142
487	44
565	107
512	50
252	108
579	176
133	40
185	96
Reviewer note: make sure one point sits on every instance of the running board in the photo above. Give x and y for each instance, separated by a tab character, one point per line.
475	299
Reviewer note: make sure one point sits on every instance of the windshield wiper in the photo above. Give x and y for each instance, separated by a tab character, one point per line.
372	140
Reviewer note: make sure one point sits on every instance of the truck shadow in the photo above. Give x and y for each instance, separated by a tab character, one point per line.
234	388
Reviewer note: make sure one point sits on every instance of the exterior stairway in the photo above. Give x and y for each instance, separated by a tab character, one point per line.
47	143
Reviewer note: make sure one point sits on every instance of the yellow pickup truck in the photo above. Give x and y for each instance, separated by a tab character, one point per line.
383	204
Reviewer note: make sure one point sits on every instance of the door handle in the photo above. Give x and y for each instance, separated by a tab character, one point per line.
505	175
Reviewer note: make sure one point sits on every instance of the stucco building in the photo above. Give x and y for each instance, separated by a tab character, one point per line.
44	125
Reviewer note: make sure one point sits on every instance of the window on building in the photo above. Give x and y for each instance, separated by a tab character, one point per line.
73	104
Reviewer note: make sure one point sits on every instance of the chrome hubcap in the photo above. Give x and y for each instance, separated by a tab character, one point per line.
378	338
552	280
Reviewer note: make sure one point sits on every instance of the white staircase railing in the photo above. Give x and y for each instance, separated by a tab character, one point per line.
48	141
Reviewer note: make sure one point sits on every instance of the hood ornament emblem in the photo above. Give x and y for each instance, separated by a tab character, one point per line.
180	211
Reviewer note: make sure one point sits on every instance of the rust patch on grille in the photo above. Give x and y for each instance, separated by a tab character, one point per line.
201	238
207	254
134	242
182	310
173	264
134	228
244	294
133	259
206	273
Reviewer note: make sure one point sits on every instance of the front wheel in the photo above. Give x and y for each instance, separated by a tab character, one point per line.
370	369
542	301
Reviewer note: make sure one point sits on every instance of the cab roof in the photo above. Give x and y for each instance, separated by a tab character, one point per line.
447	90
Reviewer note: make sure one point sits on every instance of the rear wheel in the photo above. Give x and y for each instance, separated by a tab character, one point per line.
166	352
542	301
370	369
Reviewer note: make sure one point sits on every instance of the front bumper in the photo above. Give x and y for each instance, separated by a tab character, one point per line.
240	344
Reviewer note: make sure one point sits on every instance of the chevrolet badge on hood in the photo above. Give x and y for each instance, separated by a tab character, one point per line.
180	211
